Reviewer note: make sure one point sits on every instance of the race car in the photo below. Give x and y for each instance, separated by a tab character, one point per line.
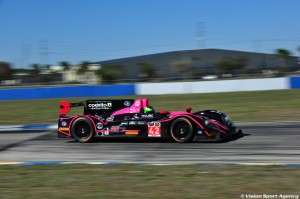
136	118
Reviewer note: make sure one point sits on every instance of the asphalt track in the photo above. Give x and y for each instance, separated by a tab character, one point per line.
262	143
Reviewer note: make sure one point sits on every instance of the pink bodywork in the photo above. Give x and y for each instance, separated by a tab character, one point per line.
174	113
137	107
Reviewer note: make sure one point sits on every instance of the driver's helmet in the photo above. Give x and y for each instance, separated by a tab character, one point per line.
148	109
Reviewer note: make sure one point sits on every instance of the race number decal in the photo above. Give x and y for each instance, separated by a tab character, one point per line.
154	129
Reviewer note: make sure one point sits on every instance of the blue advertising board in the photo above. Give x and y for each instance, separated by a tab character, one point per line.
67	91
294	82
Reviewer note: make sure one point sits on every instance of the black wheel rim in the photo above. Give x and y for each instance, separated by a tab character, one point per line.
181	131
83	131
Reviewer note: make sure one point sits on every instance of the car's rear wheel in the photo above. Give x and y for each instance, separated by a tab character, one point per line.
182	130
82	130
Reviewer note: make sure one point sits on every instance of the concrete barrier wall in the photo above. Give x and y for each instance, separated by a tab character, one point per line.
212	86
66	91
151	88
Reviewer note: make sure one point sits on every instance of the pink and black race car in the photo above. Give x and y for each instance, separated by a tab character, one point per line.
135	118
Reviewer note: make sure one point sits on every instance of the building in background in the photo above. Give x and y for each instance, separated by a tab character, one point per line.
196	63
186	64
89	76
58	75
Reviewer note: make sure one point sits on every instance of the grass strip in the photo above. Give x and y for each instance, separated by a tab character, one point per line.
136	181
253	106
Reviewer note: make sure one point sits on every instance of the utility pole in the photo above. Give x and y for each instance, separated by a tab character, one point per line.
44	51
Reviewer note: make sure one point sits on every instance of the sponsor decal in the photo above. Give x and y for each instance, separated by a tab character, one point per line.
127	103
132	122
100	106
124	123
64	123
133	132
106	132
99	125
109	119
154	129
141	123
156	124
63	128
114	129
147	116
138	103
122	128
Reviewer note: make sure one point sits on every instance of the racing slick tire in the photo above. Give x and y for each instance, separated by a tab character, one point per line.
181	130
82	130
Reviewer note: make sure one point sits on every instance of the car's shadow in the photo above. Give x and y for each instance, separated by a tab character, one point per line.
155	140
126	140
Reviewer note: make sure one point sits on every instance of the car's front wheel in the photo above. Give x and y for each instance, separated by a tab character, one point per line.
82	130
182	130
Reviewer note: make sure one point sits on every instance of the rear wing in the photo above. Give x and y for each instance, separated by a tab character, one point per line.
65	106
96	107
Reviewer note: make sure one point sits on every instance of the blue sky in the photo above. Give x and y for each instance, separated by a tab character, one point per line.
50	31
